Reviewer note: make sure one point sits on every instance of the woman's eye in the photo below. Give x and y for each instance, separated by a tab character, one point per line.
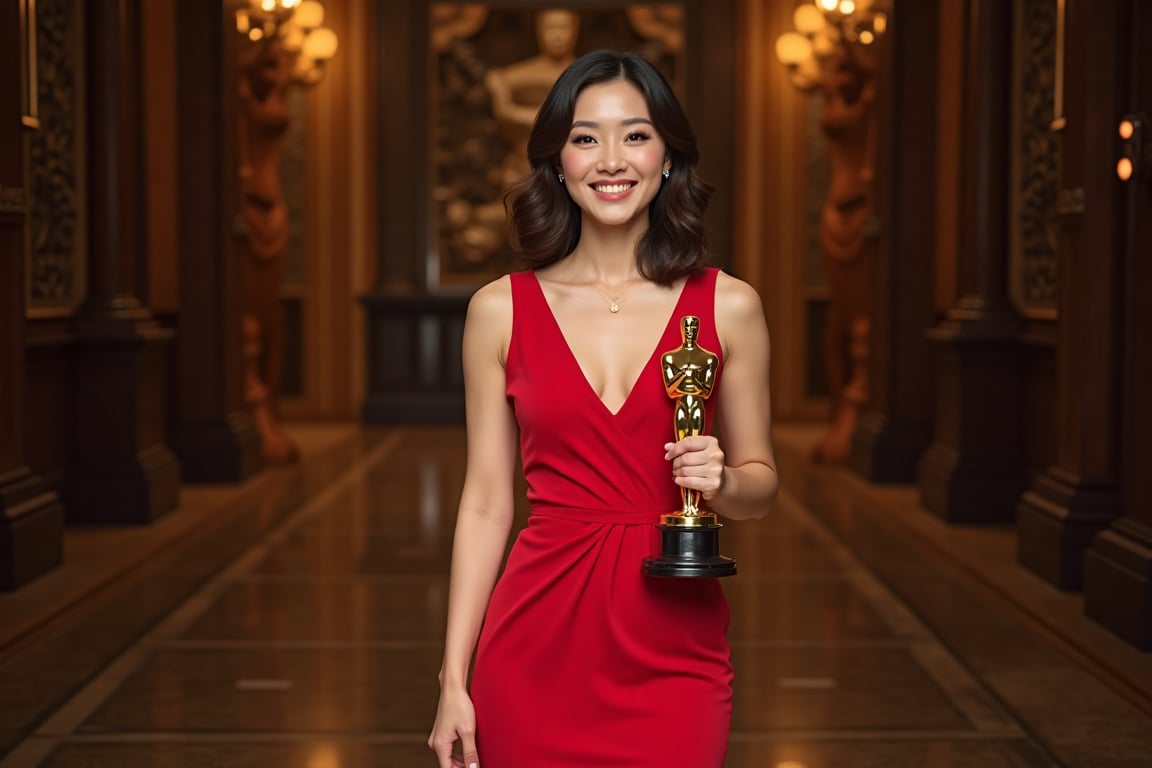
583	139
638	136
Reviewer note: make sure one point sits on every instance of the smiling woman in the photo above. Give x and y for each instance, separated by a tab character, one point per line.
583	660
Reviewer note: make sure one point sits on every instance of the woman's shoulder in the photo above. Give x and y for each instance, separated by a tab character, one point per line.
491	304
736	298
494	297
490	314
739	316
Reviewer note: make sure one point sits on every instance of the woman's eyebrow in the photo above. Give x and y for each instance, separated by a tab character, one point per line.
629	121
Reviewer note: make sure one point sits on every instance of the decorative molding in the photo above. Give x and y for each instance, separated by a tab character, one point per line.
1036	176
1070	203
12	200
56	274
30	116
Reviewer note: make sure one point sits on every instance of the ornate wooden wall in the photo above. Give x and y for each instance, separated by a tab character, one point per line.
31	516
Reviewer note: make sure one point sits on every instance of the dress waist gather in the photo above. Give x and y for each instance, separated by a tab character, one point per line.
603	516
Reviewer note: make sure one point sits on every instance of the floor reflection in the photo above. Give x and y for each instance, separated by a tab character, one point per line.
315	643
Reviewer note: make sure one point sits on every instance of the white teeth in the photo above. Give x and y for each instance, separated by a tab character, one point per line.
612	189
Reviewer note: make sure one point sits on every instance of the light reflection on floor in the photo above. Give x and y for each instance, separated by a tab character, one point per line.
316	644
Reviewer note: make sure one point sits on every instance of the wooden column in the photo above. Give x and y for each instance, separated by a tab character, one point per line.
1118	566
974	471
215	436
1077	497
412	361
31	516
123	469
896	427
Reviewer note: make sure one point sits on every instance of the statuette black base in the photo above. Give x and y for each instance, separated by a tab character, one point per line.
689	552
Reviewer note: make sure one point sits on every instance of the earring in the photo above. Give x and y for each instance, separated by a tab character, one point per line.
561	177
667	173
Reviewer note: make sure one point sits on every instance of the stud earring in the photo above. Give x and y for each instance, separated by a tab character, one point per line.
667	173
561	177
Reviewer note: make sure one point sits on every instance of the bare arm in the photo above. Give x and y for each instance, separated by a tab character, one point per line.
739	481
485	515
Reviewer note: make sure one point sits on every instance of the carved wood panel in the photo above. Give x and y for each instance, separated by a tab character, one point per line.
1036	166
56	269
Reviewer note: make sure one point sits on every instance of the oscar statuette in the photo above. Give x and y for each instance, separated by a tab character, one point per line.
690	537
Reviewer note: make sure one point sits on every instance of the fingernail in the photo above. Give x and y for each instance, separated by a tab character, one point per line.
473	765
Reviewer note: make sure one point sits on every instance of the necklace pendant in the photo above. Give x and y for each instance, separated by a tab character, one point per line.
613	307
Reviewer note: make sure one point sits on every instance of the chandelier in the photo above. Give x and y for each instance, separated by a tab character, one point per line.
297	26
822	26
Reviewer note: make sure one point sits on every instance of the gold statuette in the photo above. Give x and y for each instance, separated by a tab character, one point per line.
690	537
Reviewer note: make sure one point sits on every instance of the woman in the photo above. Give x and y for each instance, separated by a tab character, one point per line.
583	660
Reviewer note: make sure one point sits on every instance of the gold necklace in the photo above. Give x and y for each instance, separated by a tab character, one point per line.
613	301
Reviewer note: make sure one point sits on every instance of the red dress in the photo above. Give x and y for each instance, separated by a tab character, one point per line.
582	660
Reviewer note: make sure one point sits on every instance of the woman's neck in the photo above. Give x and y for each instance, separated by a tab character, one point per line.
607	254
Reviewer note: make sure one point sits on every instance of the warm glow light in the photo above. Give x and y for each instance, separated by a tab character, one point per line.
793	48
320	44
808	20
822	44
1124	169
293	39
324	756
1127	129
309	15
848	7
879	23
828	5
867	38
298	26
791	764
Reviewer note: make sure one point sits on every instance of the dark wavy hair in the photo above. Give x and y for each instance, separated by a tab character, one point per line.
545	219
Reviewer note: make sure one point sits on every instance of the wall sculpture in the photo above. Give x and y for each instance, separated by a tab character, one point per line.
492	66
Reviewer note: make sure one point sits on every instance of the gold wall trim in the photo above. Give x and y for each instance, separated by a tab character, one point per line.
29	88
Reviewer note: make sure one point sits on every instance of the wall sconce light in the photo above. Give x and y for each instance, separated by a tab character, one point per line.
1136	151
821	26
298	26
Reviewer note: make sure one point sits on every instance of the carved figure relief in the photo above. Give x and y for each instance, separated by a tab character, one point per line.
493	66
833	53
265	76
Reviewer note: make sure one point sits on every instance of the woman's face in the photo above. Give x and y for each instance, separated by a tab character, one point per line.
613	161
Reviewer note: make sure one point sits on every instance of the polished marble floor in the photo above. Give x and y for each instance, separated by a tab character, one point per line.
300	626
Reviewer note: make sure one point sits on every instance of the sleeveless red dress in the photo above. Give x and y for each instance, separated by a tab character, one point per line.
584	661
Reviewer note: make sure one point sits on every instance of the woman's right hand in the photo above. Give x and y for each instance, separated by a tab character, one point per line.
455	719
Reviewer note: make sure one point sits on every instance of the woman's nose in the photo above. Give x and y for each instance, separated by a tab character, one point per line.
612	160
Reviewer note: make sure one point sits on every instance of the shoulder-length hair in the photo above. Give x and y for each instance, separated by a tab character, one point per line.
545	219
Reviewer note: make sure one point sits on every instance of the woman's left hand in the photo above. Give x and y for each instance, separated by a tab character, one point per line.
697	464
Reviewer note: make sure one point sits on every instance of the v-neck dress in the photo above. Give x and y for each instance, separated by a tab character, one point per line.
582	659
